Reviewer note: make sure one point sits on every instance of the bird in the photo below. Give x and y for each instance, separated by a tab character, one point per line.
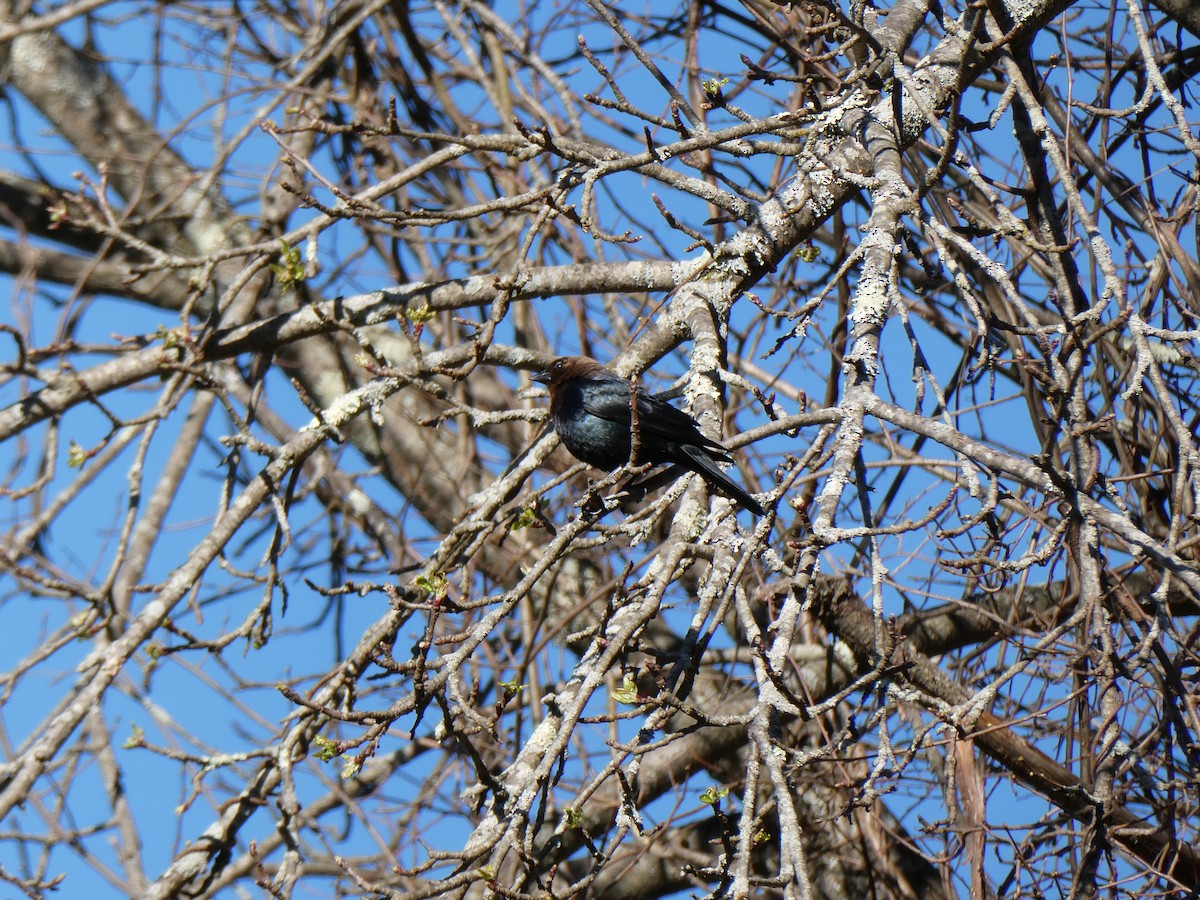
590	410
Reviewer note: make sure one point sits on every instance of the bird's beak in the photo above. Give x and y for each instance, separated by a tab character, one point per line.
542	377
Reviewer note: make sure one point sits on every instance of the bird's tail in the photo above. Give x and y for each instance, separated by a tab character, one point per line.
698	460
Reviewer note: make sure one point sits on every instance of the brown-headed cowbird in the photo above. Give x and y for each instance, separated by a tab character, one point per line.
590	409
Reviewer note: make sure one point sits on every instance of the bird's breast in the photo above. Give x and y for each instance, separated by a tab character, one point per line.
598	442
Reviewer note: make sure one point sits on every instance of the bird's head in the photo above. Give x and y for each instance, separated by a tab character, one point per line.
571	368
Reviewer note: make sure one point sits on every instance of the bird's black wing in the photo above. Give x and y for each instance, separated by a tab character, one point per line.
667	435
657	419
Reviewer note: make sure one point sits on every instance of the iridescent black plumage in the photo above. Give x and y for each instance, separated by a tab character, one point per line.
590	410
